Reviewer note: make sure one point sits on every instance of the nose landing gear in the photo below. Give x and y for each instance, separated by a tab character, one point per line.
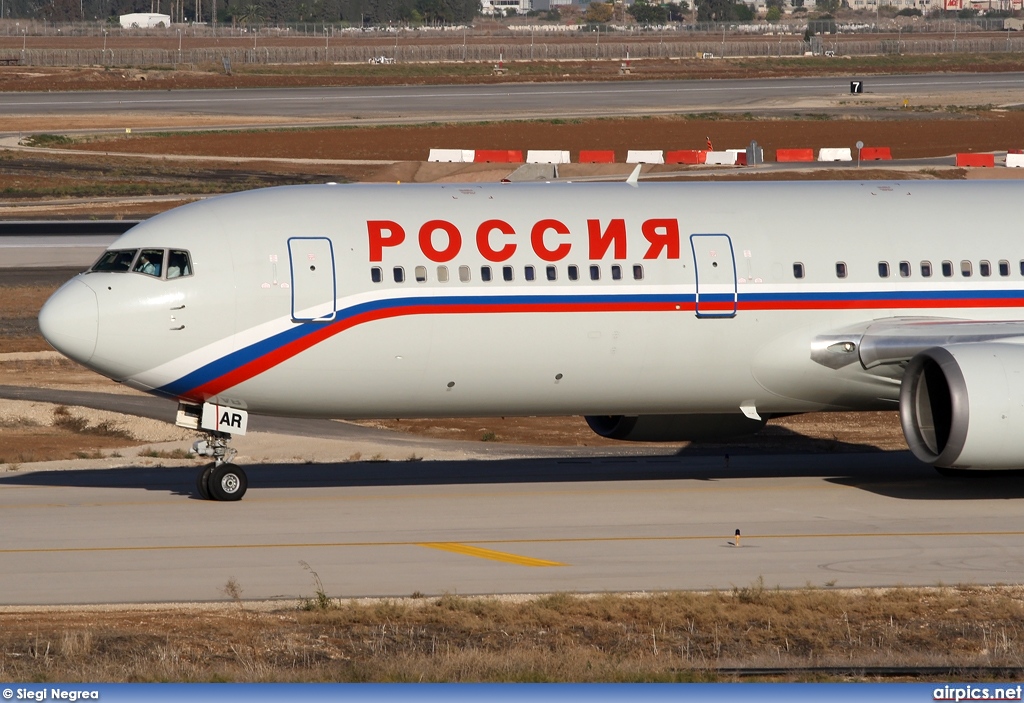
221	480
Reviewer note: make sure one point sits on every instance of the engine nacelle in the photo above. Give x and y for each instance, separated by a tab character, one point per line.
673	428
962	406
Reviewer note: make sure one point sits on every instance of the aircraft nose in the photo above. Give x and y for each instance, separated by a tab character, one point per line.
70	319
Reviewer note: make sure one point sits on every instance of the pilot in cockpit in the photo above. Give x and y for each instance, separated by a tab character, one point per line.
150	262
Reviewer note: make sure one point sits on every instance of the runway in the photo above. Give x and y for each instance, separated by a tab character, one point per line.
420	103
506	526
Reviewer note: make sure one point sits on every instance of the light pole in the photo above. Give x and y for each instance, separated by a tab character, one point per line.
179	44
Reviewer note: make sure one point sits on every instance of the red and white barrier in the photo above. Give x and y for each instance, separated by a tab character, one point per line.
540	156
498	156
1014	160
636	156
454	156
685	156
721	158
843	154
794	155
876	153
591	156
976	160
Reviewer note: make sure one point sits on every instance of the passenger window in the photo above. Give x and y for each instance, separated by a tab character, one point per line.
1004	267
883	269
947	268
574	271
552	273
985	268
178	264
926	269
442	274
506	273
464	274
150	262
485	273
616	272
376	275
121	260
798	270
840	269
638	272
966	269
529	273
421	274
399	274
595	272
905	269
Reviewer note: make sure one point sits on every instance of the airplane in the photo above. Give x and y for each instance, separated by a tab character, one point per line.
659	311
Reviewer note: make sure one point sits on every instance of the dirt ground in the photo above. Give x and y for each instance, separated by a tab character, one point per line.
908	133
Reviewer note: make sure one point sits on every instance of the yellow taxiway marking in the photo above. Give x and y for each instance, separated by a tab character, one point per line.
542	540
489	554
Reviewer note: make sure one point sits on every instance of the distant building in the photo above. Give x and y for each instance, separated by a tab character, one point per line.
547	5
507	7
143	20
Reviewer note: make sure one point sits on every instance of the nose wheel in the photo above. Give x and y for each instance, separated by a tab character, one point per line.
221	480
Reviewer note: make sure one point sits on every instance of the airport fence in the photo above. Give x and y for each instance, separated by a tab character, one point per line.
604	50
790	25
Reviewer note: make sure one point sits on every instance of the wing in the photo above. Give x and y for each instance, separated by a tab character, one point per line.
897	340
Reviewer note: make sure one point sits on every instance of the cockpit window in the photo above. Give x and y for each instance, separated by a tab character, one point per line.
116	260
178	264
150	262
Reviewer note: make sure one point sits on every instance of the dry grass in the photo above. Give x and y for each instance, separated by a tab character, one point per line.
560	637
65	420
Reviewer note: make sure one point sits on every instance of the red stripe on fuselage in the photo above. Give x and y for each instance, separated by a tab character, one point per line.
257	366
329	329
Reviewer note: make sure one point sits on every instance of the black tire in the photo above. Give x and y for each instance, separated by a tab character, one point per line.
227	482
203	482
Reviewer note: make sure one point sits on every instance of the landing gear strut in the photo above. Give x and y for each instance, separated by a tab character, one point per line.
221	480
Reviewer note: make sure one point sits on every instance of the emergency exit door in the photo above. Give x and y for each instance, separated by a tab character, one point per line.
314	291
715	270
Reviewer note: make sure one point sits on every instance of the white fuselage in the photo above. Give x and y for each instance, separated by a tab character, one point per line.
374	300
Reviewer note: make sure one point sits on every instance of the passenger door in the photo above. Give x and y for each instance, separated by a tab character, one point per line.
715	272
314	289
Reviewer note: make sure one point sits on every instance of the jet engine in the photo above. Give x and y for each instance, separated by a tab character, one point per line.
962	406
673	428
